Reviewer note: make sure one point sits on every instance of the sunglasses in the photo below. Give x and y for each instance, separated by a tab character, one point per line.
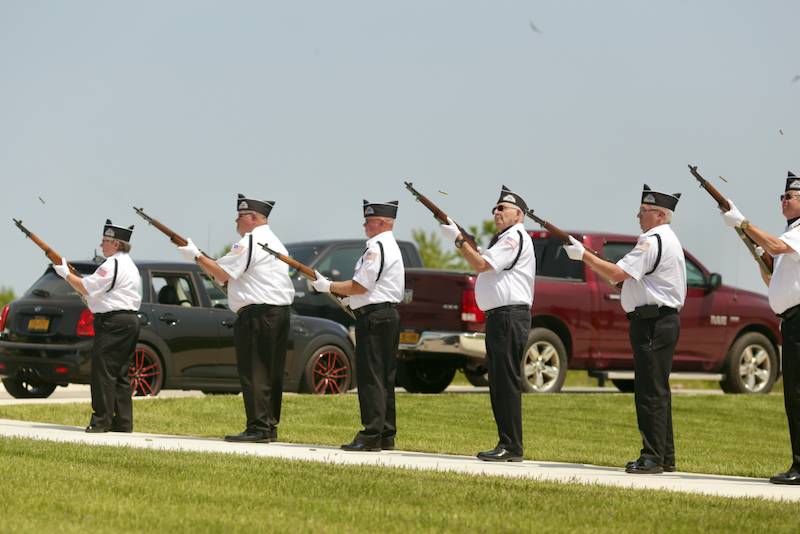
500	207
787	196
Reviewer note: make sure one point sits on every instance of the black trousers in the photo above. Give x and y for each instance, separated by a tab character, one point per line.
115	336
507	331
790	330
377	337
653	342
260	335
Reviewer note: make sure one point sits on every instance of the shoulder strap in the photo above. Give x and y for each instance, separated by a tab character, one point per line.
113	280
658	256
249	252
380	269
519	253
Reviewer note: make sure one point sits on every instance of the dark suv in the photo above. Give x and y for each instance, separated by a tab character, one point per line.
186	340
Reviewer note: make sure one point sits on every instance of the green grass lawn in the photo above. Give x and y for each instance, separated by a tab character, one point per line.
724	434
61	487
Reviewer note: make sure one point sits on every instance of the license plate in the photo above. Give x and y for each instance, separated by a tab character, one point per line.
409	338
38	324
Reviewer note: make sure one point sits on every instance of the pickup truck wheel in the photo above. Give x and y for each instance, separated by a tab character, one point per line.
328	370
478	377
425	376
544	365
28	385
752	365
146	372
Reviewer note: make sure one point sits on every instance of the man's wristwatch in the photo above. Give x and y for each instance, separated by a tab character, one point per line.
460	242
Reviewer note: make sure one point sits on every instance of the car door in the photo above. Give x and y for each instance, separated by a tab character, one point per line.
337	263
224	366
189	329
610	325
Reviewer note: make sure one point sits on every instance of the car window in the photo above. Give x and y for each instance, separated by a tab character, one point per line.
173	289
215	294
552	260
52	285
341	262
614	252
694	276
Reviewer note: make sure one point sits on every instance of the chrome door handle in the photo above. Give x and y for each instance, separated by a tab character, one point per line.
612	296
168	318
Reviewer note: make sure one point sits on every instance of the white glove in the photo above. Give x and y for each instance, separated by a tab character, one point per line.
321	284
575	249
733	217
190	251
61	270
450	231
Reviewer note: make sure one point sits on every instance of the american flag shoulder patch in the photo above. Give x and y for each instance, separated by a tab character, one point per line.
102	271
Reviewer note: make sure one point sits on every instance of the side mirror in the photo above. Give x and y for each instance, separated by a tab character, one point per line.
714	281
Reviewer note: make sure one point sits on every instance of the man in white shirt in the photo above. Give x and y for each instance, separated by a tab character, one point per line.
784	298
504	292
113	294
653	277
375	290
261	293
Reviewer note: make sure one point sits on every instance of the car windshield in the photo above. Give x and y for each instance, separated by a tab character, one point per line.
305	254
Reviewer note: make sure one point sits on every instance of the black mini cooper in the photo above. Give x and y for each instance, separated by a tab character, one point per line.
186	339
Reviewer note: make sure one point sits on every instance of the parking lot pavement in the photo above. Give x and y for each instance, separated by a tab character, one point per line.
725	486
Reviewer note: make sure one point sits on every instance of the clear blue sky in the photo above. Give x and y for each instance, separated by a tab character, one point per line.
177	106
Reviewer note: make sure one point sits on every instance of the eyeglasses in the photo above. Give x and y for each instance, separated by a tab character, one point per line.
106	240
500	207
787	196
642	211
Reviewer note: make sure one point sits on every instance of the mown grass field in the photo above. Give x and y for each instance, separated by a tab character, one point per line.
723	434
57	487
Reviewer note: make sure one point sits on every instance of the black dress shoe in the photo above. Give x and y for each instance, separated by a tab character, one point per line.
252	436
791	477
499	454
387	444
359	445
94	429
123	429
668	468
644	466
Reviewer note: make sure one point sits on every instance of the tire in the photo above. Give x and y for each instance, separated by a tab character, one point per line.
751	365
478	377
328	371
425	376
27	385
544	363
625	386
146	372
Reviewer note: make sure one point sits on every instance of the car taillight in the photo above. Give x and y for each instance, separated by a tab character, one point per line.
85	326
471	315
3	317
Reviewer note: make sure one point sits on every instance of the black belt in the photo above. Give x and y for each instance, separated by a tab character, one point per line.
789	313
511	307
256	307
651	311
369	308
115	312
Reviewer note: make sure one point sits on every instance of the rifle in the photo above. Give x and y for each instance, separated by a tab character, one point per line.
441	216
556	231
51	254
309	273
765	261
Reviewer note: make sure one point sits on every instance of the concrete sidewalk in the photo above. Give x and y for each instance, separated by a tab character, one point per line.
726	486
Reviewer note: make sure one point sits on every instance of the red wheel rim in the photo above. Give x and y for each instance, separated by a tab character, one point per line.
331	373
145	373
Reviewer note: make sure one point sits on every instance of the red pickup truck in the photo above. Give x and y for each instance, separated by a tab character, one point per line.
727	334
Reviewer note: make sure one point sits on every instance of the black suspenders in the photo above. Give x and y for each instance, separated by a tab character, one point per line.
249	252
519	253
113	280
658	256
380	269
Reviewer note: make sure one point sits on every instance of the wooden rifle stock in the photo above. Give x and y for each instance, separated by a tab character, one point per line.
51	254
308	272
765	261
441	216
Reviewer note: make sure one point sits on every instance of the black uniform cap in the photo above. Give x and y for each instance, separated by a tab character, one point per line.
662	200
249	204
117	232
381	209
792	182
506	195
